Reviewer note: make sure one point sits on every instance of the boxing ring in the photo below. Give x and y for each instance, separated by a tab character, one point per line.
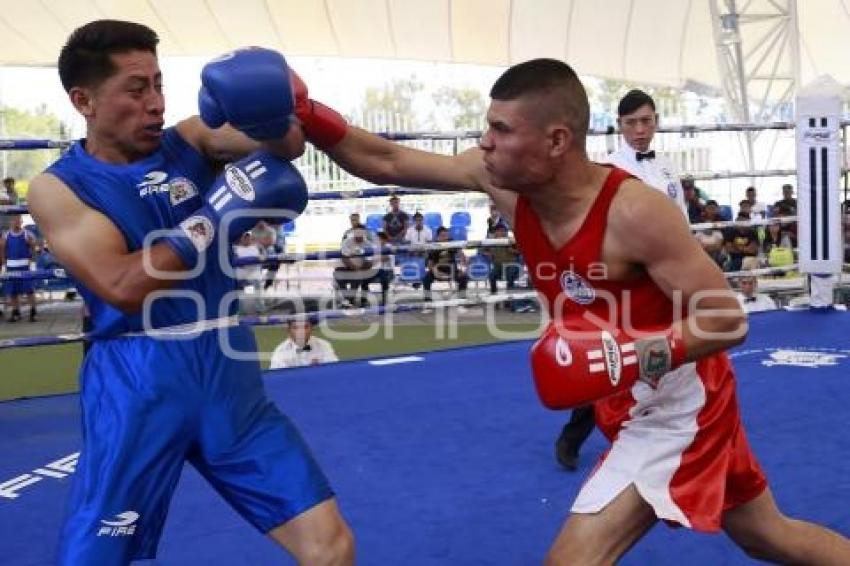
433	466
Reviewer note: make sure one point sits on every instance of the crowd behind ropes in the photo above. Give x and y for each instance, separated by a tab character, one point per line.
373	266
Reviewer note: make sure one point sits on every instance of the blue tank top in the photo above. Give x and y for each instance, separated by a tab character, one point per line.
154	193
17	248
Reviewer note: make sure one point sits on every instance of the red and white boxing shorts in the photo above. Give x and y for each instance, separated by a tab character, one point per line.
682	445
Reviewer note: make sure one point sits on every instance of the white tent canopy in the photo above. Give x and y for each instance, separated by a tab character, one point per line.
664	42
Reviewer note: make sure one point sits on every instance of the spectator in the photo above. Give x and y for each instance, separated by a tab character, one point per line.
749	297
384	264
17	249
495	219
351	278
355	224
301	348
757	209
788	202
504	262
445	265
777	246
638	120
692	200
711	239
396	222
47	261
247	248
741	242
776	235
8	197
789	229
845	208
745	209
418	233
270	241
9	194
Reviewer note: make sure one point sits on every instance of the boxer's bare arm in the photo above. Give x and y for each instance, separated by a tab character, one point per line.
384	162
226	144
92	248
649	230
381	161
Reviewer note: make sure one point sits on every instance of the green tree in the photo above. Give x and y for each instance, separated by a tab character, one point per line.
463	108
608	92
391	106
16	123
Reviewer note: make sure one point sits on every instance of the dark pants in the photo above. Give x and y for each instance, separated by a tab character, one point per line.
509	272
352	284
384	277
459	277
271	270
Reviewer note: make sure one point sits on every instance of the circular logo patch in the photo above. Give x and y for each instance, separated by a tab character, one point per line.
577	288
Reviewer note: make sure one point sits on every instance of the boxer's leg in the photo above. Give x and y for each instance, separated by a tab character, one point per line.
603	537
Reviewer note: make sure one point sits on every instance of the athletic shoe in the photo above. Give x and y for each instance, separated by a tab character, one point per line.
566	456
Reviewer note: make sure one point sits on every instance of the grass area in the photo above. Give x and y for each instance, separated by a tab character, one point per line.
48	370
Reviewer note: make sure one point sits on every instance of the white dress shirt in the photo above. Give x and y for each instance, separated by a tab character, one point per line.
758	210
248	274
761	303
415	236
316	351
659	173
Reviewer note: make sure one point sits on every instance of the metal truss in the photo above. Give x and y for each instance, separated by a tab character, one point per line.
758	54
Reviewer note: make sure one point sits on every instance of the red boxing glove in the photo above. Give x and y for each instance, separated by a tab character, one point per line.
323	126
576	363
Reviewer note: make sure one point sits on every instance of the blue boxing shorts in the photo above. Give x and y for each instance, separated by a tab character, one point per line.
148	405
15	287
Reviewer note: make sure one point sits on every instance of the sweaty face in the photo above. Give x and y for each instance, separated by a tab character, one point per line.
638	128
515	146
125	112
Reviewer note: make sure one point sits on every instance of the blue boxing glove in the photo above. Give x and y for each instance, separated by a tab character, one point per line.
236	201
250	89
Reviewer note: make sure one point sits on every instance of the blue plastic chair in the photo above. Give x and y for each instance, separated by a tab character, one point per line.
433	220
725	212
479	268
457	233
412	270
375	222
461	218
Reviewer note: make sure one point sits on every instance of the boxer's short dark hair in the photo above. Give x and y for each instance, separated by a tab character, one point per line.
554	79
86	58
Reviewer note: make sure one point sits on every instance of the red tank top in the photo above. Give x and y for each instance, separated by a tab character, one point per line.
574	280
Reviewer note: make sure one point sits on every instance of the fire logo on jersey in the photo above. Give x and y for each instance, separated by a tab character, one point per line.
577	288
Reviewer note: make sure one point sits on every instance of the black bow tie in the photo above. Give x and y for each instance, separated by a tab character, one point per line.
306	348
749	299
646	155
